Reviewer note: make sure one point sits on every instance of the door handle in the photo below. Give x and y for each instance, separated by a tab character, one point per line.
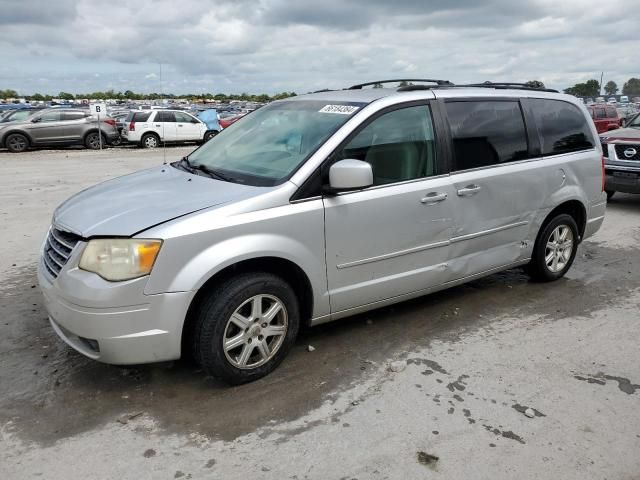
469	190
432	198
180	125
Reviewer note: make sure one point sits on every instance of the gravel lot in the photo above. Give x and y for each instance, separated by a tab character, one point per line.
476	357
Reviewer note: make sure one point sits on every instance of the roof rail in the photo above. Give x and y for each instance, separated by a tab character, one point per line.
508	85
398	80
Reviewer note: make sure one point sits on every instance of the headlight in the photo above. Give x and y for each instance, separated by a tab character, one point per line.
118	259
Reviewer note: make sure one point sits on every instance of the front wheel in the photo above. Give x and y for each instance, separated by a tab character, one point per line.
246	327
17	143
209	135
555	249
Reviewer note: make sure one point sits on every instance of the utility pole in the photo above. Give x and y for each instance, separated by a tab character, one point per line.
601	75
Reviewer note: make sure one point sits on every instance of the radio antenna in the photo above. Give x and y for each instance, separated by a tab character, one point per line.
164	141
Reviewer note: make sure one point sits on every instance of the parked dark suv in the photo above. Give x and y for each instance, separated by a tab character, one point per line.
57	127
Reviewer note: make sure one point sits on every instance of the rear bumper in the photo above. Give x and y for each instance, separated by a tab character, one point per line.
148	328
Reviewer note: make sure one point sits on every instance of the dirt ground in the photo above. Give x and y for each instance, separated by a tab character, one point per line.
477	356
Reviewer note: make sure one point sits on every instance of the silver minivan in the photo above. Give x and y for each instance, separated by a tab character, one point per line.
318	207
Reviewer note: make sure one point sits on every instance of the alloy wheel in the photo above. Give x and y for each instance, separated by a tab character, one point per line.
559	248
17	143
255	331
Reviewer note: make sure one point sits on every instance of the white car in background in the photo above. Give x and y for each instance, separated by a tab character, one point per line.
151	128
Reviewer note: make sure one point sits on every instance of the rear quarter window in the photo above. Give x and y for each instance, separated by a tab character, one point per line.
562	126
138	116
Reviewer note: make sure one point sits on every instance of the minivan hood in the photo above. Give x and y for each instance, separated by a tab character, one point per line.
127	205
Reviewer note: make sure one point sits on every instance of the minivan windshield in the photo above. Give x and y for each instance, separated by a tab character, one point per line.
635	122
268	145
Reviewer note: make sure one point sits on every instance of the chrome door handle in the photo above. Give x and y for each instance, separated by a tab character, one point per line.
433	197
469	190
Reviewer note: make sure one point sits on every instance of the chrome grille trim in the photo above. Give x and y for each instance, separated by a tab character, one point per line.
57	250
620	149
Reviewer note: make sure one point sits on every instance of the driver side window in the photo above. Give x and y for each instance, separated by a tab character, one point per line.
399	146
51	117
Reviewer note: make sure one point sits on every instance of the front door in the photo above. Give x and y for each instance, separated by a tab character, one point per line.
188	127
392	238
48	128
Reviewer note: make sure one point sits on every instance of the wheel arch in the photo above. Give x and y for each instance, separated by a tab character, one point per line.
575	208
286	269
6	134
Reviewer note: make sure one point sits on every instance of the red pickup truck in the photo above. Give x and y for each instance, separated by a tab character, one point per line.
605	117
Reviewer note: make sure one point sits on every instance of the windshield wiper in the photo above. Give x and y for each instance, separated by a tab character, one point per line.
192	168
212	173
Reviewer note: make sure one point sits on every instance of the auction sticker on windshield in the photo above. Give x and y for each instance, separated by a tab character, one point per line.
341	109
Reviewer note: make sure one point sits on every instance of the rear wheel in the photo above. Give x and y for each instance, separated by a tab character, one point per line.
17	143
149	140
555	249
610	193
246	327
92	141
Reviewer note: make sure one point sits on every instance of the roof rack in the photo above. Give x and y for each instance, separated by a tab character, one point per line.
398	80
507	85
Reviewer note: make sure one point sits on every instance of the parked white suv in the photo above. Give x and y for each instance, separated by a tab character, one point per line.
149	128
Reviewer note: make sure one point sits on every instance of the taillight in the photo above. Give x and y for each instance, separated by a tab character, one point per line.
110	121
132	127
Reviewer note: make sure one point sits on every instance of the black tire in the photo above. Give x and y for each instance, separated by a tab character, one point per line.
538	268
116	142
209	135
150	140
213	315
610	193
17	143
92	141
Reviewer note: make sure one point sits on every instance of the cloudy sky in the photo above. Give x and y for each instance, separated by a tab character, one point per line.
269	46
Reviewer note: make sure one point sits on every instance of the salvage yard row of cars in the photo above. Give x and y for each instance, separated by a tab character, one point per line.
23	129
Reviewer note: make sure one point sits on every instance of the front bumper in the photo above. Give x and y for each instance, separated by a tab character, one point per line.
626	181
114	322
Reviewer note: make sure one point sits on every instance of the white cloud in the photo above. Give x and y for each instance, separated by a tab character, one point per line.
275	45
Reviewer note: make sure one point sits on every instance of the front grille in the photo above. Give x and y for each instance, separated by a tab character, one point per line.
621	148
57	250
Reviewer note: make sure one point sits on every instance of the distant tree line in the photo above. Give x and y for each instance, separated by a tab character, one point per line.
591	88
129	95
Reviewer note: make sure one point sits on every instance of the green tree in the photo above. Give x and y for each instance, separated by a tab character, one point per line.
534	84
37	97
590	88
631	87
8	93
611	88
66	96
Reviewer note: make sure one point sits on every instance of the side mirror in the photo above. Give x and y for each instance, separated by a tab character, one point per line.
349	174
36	120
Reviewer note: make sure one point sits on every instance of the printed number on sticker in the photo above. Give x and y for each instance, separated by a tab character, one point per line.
341	109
